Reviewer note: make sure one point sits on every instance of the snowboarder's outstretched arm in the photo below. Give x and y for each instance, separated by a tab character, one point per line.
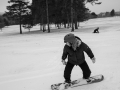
89	52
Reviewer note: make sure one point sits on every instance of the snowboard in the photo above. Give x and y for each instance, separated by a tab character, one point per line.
78	82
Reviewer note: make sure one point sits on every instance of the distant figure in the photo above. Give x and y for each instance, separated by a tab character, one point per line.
96	30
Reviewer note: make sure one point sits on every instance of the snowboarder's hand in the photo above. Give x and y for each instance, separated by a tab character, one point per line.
93	59
64	62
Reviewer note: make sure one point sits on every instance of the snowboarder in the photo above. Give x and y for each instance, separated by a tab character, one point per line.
96	30
74	50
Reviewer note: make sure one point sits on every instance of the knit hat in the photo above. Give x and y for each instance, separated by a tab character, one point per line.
69	38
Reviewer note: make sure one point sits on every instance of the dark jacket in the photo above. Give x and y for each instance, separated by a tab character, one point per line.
76	57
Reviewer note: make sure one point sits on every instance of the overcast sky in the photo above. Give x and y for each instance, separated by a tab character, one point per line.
106	6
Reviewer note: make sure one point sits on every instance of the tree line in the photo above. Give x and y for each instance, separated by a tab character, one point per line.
66	12
45	12
3	22
109	14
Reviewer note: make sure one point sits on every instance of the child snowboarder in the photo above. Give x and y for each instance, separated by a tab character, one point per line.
74	50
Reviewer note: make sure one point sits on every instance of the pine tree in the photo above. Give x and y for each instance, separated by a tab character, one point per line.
112	13
18	8
1	22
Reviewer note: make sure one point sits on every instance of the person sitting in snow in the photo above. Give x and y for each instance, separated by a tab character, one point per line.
96	30
74	49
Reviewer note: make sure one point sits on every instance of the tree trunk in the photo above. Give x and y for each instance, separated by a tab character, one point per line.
20	19
68	21
75	18
76	26
72	30
47	16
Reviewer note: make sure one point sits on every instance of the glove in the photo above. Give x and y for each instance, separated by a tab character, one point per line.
64	62
93	59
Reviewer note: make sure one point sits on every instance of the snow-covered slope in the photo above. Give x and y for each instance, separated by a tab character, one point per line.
32	61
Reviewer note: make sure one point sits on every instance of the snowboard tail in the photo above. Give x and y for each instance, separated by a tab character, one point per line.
91	80
78	82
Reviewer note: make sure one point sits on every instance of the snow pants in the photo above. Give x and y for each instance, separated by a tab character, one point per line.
68	69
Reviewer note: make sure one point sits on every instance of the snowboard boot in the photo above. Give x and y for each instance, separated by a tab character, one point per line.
88	80
68	81
67	84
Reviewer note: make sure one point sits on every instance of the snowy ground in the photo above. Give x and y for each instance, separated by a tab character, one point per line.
32	61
